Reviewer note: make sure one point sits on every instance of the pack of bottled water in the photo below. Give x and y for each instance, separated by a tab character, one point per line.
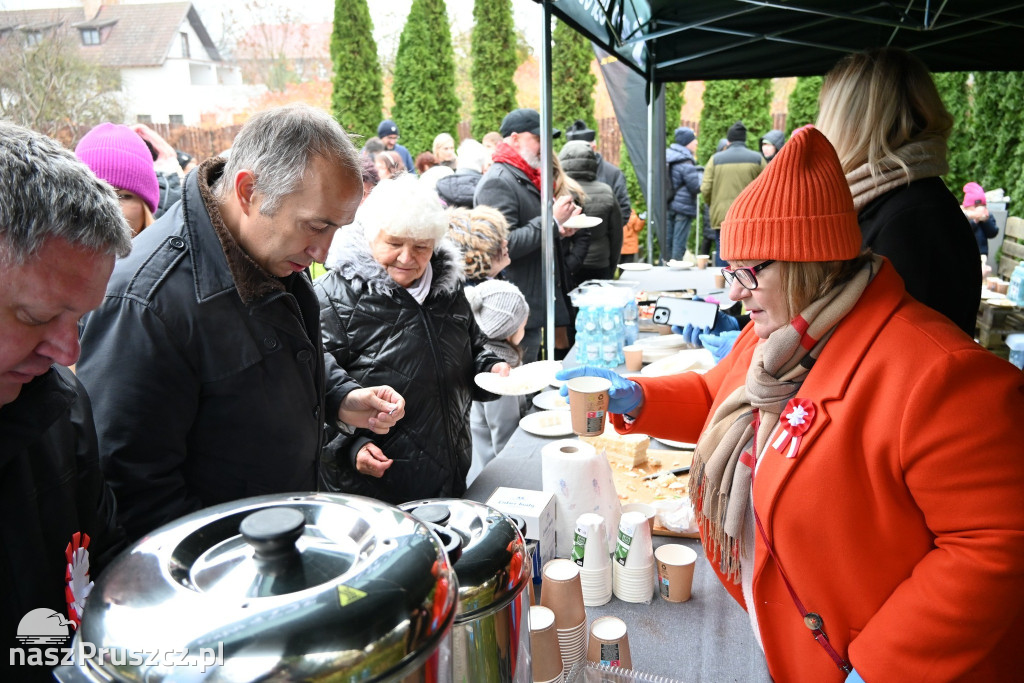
605	322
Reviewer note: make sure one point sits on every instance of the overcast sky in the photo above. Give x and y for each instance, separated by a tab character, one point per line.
388	15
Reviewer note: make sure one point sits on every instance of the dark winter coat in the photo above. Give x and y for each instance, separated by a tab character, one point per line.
507	189
580	164
206	373
428	353
922	230
457	189
725	176
983	232
50	490
612	175
686	177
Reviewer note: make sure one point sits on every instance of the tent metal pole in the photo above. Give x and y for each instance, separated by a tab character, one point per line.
653	223
547	244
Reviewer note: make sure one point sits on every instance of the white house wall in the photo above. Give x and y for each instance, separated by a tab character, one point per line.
159	92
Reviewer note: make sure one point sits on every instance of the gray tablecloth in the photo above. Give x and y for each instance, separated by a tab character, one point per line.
707	639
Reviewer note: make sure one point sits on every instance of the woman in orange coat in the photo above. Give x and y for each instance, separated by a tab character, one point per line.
848	496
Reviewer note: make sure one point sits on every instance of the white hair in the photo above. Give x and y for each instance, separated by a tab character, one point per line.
402	207
472	155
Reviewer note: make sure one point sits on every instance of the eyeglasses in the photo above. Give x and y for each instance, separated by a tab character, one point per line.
747	277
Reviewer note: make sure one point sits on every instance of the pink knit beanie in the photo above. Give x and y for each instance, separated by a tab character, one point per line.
974	194
798	209
118	155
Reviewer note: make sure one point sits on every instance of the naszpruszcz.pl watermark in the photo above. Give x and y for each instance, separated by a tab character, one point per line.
156	658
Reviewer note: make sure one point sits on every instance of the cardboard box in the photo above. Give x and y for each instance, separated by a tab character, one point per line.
538	509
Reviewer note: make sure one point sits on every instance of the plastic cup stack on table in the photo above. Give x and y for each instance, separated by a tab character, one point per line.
562	593
609	644
547	657
590	552
633	566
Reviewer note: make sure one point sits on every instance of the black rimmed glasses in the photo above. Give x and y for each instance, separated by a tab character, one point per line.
746	276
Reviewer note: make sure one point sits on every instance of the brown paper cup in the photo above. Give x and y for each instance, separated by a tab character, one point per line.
562	593
634	357
544	649
588	403
608	643
702	261
719	281
675	564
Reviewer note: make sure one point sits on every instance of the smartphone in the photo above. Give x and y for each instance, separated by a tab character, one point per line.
674	311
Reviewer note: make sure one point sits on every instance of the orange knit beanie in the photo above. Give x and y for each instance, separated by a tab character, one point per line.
798	209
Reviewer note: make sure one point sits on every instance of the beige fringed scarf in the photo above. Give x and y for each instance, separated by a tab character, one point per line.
923	159
720	483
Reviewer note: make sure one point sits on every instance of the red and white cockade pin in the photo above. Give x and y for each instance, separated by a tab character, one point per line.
78	585
797	417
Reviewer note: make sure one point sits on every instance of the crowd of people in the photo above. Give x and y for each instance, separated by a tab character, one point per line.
214	360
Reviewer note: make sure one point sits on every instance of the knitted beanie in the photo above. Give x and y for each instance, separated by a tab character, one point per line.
974	194
118	155
387	127
499	308
737	132
684	136
798	209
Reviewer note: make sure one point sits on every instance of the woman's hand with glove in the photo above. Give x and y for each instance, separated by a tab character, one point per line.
625	396
719	344
723	323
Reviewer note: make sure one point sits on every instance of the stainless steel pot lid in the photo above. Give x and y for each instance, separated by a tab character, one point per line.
491	556
288	586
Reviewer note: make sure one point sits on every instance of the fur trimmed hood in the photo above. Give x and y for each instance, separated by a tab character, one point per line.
351	257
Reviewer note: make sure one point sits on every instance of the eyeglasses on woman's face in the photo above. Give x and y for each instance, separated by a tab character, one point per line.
746	276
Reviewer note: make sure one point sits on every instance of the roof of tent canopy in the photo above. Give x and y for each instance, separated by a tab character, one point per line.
713	39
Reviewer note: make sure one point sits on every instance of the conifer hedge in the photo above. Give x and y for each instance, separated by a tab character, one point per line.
424	85
572	83
494	65
802	107
357	100
726	102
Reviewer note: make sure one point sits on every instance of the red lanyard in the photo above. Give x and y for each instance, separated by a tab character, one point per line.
811	620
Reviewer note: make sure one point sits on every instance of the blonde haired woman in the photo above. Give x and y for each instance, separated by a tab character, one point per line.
885	118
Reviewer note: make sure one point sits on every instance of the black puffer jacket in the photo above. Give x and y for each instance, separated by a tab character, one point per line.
428	353
50	489
457	189
580	164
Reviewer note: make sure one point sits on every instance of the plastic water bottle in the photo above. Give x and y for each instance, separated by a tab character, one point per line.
1015	293
581	336
630	315
611	337
592	335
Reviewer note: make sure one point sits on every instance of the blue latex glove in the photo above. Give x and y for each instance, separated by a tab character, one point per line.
719	344
723	323
624	396
854	677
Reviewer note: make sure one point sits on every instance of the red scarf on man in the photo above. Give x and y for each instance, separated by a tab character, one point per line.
506	154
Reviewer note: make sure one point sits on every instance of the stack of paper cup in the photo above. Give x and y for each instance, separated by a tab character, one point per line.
563	595
590	552
547	657
633	560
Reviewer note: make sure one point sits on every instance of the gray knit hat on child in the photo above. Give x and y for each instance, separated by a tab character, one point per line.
499	308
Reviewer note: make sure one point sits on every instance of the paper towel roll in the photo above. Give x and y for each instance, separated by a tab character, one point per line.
581	481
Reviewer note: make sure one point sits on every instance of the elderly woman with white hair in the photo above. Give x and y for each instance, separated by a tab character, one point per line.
393	311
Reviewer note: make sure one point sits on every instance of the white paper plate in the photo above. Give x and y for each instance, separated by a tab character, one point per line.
550	400
548	423
675	444
582	221
687	360
523	380
679	265
663	341
635	266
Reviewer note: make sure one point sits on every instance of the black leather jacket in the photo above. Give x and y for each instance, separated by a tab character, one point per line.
206	373
50	490
427	352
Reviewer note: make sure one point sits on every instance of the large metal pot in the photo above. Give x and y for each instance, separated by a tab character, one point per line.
317	586
491	639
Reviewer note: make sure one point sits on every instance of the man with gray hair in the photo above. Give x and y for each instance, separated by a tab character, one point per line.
60	231
205	359
471	163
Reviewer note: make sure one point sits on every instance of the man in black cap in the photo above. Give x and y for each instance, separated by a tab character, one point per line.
607	173
725	176
388	133
512	186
